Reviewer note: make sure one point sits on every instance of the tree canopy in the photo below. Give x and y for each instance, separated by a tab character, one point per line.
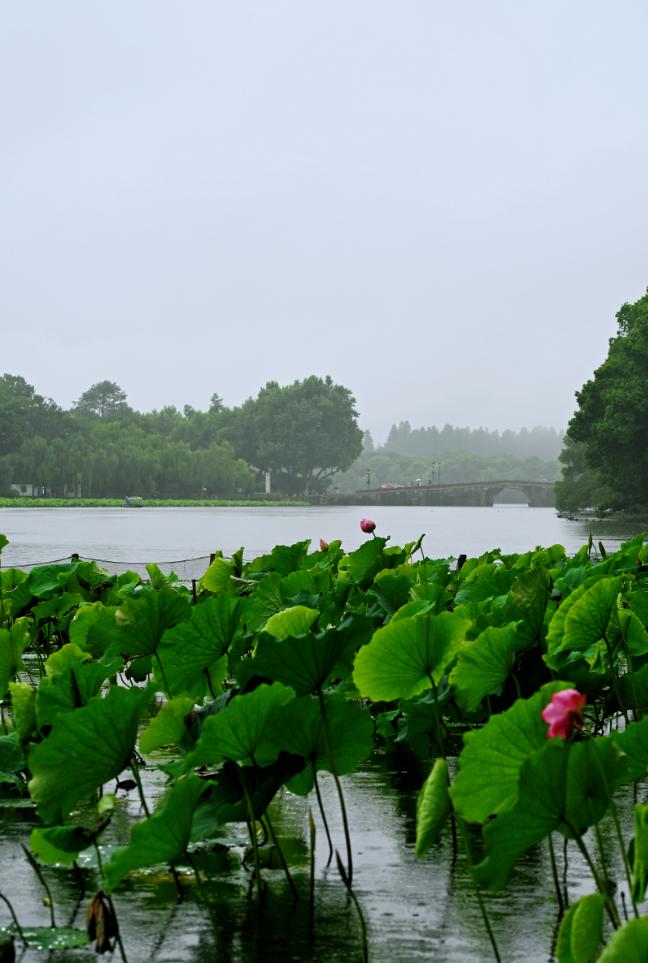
611	421
305	431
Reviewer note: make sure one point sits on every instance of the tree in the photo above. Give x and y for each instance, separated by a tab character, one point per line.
105	399
612	416
307	430
24	413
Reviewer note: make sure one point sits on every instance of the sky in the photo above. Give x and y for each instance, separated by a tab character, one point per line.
440	204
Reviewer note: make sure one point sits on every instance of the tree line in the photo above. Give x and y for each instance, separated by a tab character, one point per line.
432	442
101	447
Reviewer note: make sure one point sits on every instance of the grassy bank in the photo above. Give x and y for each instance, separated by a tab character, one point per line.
149	503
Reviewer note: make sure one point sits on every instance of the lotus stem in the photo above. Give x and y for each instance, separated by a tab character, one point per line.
282	858
251	821
312	835
19	928
626	864
320	803
363	925
609	903
34	865
480	900
338	786
140	789
554	873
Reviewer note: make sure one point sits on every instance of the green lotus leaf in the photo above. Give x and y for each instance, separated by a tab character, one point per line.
94	628
590	617
640	853
161	838
242	731
59	844
294	621
581	930
639	604
562	786
23	708
483	666
489	765
405	656
225	800
283	559
86	748
298	729
12	759
528	600
432	807
71	681
168	727
391	590
633	633
188	650
305	663
433	593
13	643
144	620
633	741
628	944
365	562
46	578
218	577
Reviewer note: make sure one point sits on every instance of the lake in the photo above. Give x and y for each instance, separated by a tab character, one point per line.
128	537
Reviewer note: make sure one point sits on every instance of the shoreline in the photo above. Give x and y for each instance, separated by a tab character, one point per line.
151	503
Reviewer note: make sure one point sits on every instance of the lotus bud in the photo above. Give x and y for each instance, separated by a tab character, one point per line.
367	525
324	546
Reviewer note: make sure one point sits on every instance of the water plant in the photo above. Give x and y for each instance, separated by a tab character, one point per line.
518	682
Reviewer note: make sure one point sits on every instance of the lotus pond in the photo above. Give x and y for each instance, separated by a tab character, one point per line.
319	754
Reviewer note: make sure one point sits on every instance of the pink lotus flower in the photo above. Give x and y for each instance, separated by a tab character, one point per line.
564	713
324	546
367	525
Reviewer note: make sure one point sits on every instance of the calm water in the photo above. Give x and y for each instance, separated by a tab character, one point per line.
126	535
415	909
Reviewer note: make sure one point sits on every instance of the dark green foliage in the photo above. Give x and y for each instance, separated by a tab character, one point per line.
611	422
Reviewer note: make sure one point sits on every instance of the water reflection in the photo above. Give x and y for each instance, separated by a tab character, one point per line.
415	909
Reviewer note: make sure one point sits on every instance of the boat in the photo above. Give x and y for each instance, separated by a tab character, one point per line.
133	501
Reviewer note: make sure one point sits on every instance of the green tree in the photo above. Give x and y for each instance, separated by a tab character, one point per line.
105	399
612	416
304	432
24	413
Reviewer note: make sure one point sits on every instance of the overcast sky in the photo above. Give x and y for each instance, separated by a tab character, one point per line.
440	204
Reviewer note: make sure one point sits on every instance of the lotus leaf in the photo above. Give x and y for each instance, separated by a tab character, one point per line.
488	779
143	620
168	727
85	749
193	647
408	656
13	643
629	944
483	666
581	930
242	731
562	786
298	729
161	838
432	807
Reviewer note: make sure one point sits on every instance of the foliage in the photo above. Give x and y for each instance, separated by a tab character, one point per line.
611	420
323	658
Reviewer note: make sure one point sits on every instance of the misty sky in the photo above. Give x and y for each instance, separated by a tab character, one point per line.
440	204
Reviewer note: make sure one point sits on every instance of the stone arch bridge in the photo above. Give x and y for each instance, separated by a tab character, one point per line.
540	494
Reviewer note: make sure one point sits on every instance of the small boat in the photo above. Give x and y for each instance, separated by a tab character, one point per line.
133	501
